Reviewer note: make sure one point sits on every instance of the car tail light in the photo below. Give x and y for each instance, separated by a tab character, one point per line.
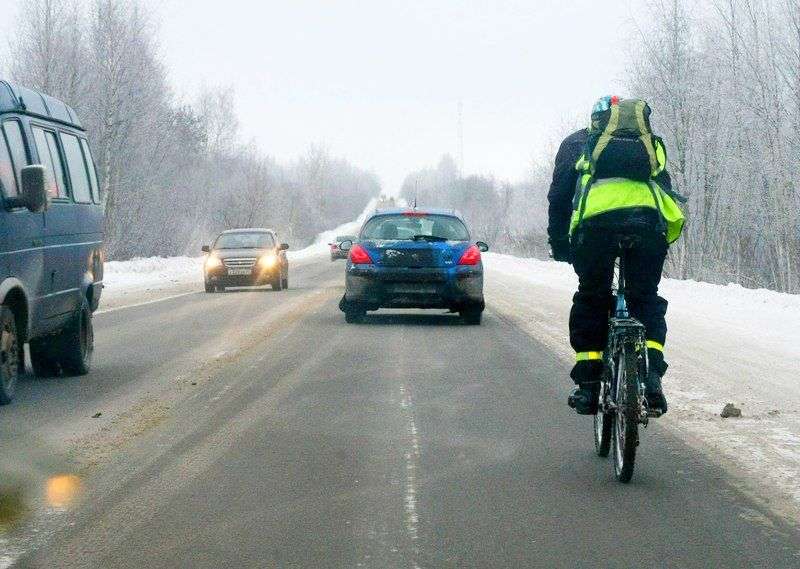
359	256
414	213
472	256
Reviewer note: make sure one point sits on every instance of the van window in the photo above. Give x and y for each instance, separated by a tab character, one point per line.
51	160
78	178
16	146
7	179
92	173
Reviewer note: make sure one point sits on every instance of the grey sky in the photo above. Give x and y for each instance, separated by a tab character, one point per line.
379	81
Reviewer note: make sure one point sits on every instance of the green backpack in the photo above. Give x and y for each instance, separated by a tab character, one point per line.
621	142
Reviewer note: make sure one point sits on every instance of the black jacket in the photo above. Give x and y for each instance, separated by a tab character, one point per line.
562	189
562	192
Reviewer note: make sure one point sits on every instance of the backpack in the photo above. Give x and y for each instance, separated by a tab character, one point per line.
621	142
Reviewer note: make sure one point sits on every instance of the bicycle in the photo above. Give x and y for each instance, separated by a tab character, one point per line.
622	405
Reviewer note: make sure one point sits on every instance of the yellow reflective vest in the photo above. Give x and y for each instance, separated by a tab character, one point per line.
595	197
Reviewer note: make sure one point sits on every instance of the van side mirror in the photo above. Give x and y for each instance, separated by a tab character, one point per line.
482	247
34	193
205	249
283	246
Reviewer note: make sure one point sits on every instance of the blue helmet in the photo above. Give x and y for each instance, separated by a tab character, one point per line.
604	103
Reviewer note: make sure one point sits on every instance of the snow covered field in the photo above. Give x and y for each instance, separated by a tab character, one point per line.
726	344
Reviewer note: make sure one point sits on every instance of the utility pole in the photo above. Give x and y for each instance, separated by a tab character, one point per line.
460	138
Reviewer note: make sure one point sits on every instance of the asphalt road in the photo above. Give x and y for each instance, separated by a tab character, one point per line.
257	429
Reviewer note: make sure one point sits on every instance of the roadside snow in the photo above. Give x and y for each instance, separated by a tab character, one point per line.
725	344
146	279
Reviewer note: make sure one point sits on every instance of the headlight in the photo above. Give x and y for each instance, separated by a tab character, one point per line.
213	262
267	261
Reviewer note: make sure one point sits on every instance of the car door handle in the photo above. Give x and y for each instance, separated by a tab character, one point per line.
38	242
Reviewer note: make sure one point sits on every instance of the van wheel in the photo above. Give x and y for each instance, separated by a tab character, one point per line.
285	282
210	287
42	360
75	345
276	284
10	362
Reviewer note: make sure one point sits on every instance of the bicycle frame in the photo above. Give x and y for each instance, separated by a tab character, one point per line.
623	331
622	403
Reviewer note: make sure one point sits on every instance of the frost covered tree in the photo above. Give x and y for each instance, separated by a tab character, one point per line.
172	174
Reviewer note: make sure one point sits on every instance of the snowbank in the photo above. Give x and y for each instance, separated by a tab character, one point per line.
725	344
177	274
148	272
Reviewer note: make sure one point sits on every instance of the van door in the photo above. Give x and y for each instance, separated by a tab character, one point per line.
21	231
63	286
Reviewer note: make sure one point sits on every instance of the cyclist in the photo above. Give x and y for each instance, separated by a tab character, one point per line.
583	230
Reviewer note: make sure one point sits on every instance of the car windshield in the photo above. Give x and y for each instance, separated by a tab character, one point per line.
415	226
254	240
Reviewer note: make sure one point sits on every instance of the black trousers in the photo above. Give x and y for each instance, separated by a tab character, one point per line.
593	260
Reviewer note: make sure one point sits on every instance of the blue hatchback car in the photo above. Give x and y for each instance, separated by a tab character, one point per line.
414	258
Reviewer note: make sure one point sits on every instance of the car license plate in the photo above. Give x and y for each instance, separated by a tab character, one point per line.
413	288
238	272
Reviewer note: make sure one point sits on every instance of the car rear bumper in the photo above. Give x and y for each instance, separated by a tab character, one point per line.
455	288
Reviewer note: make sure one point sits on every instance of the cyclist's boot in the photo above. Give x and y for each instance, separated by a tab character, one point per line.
584	396
652	387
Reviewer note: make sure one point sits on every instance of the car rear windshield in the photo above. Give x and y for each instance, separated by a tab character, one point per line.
255	240
415	226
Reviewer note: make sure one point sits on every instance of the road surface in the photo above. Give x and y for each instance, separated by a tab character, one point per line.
257	429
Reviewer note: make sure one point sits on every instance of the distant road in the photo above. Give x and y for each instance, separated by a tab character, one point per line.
256	429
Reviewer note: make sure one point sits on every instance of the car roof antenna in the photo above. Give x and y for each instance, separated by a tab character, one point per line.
415	202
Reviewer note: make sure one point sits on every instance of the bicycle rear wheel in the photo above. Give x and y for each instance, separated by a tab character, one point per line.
603	424
625	433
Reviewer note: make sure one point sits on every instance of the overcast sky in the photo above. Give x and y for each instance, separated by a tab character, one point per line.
379	81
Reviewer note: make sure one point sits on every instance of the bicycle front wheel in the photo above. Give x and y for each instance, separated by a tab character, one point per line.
626	420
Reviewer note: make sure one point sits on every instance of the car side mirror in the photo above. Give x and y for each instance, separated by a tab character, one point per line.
283	246
34	192
205	249
346	245
482	247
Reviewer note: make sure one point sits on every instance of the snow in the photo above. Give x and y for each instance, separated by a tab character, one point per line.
156	276
142	273
725	344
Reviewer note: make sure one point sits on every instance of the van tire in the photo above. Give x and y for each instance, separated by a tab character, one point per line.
42	360
10	362
210	288
276	284
75	344
285	282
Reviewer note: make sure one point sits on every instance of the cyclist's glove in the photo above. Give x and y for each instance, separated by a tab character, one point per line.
560	250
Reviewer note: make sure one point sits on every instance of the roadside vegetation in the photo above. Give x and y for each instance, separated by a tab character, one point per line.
723	79
174	173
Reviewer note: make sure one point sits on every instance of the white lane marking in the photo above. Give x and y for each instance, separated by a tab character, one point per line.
412	464
146	302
